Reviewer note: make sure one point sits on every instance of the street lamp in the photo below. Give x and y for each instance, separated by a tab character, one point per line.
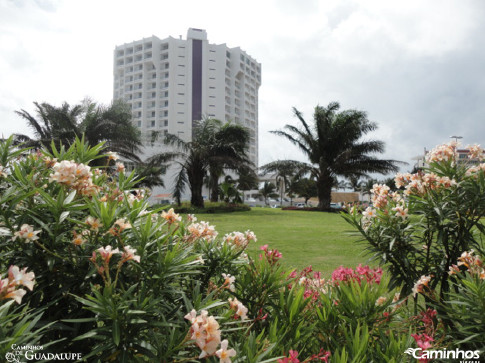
456	138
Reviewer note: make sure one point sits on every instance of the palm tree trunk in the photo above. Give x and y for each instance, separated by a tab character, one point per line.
196	182
196	199
324	190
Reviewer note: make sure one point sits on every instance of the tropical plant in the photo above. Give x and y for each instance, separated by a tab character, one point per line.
306	188
213	147
150	175
284	171
98	123
334	147
248	180
355	183
229	193
447	205
268	191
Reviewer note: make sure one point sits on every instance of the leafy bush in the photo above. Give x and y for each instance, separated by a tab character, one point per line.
418	233
212	207
118	281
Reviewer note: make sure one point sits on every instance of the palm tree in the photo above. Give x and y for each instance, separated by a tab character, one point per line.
61	125
355	183
231	142
248	180
213	144
334	147
268	191
150	175
284	170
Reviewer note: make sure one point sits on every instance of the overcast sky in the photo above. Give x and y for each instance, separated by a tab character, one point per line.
416	67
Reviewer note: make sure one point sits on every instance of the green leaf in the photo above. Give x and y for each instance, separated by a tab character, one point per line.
116	332
70	197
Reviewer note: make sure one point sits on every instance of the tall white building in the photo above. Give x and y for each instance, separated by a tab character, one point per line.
171	83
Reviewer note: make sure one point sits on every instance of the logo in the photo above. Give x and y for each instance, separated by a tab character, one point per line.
464	355
27	353
12	357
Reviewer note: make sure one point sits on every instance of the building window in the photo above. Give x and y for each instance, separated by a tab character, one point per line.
152	124
165	123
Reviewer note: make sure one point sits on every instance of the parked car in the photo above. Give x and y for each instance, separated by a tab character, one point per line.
300	205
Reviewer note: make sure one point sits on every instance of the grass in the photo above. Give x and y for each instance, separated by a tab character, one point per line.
323	240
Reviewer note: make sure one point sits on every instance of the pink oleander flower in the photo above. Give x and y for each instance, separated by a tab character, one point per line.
292	357
171	217
369	213
192	316
120	167
423	340
119	226
129	254
211	327
75	176
191	218
208	346
473	264
21	277
401	211
445	152
107	252
93	223
380	193
475	152
202	230
402	180
236	238
420	284
242	311
26	233
16	277
198	334
112	156
78	239
381	300
225	354
229	282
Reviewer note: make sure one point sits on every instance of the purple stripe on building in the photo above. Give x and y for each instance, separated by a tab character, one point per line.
196	80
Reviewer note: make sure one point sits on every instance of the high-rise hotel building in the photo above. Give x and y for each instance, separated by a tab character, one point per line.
171	83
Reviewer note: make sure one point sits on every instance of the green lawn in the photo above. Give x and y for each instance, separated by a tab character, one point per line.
323	240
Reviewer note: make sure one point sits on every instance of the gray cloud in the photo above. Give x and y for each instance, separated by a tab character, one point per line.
414	66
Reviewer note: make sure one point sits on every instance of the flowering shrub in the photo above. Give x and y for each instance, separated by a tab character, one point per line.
419	231
118	281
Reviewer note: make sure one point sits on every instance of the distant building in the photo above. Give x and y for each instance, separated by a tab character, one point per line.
171	83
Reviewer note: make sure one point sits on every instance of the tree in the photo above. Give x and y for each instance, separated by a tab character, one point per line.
355	183
306	188
229	192
334	147
98	123
212	144
268	191
284	170
232	142
150	175
248	180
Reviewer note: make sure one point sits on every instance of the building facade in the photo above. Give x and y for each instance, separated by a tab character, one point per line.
171	83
